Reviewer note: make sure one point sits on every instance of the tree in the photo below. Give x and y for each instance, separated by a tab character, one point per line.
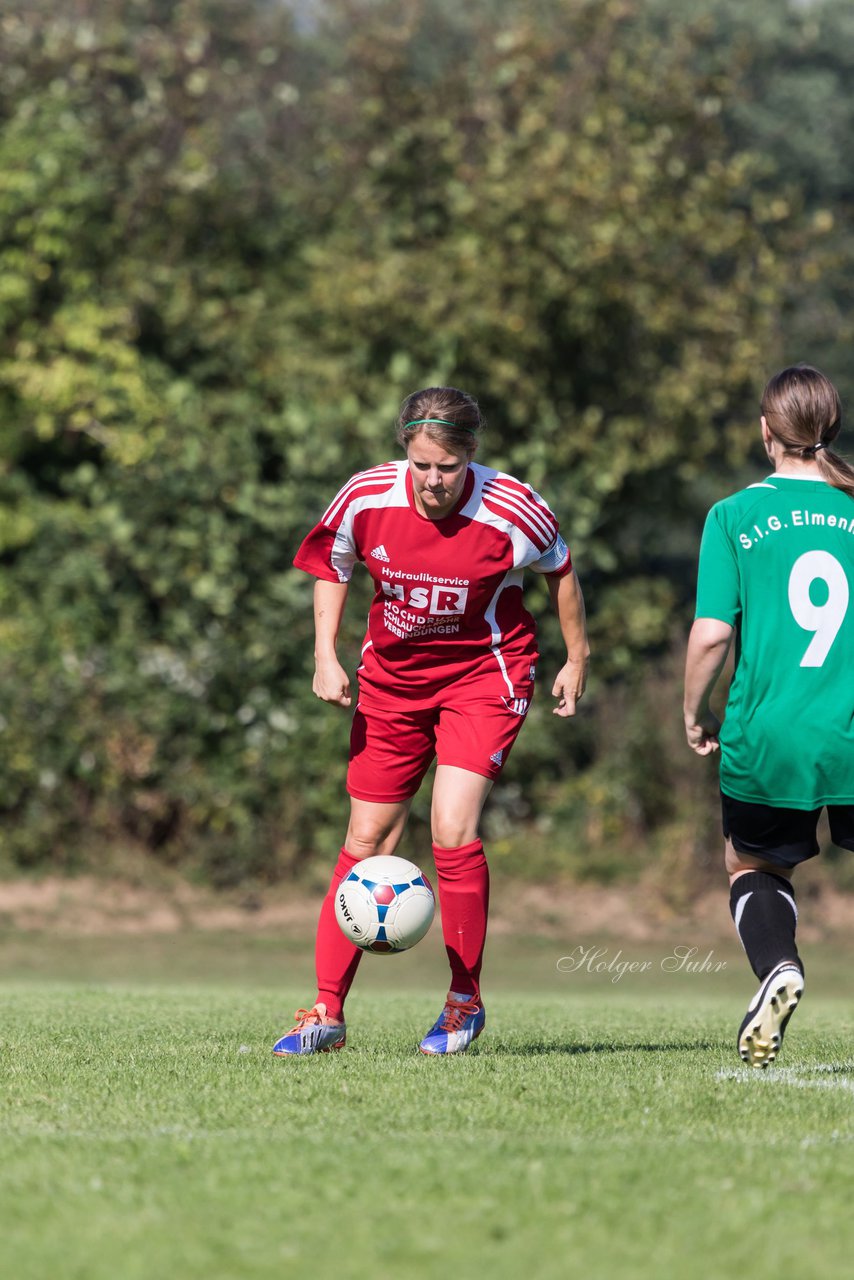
243	240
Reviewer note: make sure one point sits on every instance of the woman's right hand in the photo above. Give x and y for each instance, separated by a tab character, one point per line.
331	683
702	733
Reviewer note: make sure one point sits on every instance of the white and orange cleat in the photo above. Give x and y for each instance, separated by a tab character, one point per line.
460	1022
313	1032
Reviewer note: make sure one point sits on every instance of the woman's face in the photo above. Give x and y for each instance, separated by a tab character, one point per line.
437	476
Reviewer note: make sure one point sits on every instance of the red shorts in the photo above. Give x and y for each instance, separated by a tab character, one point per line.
471	724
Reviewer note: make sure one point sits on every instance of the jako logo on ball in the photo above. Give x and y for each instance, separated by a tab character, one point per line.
384	905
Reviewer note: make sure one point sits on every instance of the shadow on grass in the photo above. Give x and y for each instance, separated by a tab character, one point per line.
532	1050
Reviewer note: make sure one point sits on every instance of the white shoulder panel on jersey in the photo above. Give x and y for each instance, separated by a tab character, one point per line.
506	503
375	487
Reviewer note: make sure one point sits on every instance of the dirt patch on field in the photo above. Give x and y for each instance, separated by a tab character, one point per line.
86	905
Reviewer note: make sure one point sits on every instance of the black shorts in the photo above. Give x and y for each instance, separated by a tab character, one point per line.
784	836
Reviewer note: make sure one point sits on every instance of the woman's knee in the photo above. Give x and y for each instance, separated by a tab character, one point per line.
374	830
451	833
458	800
367	844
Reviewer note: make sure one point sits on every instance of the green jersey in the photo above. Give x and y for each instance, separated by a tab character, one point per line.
777	563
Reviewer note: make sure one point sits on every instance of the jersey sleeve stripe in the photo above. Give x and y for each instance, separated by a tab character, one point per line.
525	493
522	501
513	517
519	519
377	480
510	482
385	472
526	512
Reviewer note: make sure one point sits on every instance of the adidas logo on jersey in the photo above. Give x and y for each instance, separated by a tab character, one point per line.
497	757
380	553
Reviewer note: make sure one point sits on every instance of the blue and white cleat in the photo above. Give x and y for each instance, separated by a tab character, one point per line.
314	1032
761	1033
460	1022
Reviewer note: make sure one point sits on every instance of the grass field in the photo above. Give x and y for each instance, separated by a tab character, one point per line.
598	1128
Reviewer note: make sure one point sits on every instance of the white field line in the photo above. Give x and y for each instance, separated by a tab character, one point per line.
816	1076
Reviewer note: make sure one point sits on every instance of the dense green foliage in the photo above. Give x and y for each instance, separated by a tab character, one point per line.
233	235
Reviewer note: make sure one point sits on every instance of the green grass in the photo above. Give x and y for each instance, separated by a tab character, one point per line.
597	1129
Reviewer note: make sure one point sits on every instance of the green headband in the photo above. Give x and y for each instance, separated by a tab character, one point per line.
440	422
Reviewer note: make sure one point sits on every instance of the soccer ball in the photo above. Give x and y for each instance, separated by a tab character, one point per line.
385	904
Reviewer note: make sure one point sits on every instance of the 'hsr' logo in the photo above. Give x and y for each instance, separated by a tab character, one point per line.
436	600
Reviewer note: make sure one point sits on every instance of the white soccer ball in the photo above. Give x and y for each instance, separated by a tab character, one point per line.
385	904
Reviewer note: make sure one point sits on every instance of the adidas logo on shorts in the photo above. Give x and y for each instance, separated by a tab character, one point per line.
380	553
497	757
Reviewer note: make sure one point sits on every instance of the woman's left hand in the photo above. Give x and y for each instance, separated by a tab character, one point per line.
569	686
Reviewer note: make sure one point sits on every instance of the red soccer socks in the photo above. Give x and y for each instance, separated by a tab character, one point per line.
336	959
463	882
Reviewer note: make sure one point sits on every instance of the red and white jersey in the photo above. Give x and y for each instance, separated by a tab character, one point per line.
448	593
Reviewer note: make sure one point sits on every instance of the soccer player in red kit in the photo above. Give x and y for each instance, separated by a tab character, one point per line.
447	671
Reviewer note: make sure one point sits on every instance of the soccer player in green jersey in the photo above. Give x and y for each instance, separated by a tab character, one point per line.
777	573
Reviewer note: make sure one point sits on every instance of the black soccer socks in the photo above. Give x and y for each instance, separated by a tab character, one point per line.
763	909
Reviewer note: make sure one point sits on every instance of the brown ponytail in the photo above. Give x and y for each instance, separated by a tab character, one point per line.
804	413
